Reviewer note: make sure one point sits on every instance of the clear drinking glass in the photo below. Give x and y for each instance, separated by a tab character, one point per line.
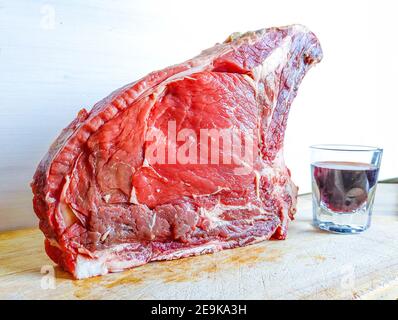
344	180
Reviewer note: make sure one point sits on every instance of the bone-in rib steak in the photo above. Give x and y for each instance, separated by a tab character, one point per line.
105	205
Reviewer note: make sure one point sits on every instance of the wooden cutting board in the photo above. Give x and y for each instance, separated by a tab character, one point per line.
310	264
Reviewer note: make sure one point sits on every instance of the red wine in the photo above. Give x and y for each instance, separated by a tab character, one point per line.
343	186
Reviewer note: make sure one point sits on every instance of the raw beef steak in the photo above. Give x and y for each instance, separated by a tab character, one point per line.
186	161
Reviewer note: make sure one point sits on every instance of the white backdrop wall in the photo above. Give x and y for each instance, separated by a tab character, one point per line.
59	56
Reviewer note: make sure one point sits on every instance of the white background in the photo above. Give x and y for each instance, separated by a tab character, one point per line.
59	56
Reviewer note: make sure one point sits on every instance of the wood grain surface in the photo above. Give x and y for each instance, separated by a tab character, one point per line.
310	264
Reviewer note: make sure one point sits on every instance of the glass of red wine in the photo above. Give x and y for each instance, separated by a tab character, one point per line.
344	179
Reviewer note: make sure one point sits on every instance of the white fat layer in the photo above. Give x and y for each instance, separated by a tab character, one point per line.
145	163
212	246
153	221
185	74
66	211
257	180
275	60
67	214
107	198
133	196
219	189
105	235
86	267
109	262
50	199
105	261
213	214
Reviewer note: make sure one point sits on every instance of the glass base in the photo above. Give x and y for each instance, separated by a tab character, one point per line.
340	228
342	222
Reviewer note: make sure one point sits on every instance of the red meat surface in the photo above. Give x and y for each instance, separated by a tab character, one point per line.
105	205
